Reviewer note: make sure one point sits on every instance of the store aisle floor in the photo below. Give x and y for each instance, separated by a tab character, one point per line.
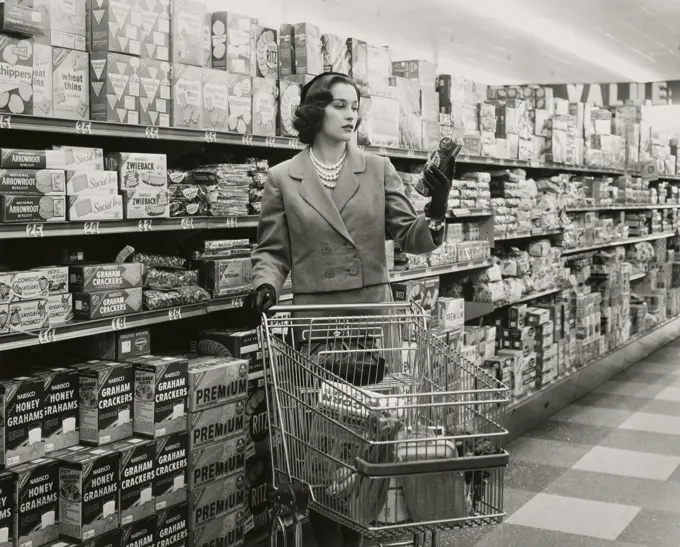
604	472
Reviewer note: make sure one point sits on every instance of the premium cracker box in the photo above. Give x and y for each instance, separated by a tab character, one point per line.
215	99
64	23
116	26
187	93
161	388
8	508
146	204
266	53
102	304
172	526
216	461
42	81
216	424
240	103
265	106
214	381
137	474
28	315
97	277
22	410
141	533
28	209
114	87
215	499
170	486
91	182
61	414
156	29
187	32
89	493
80	158
59	309
15	158
106	401
155	101
70	84
37	495
16	75
139	171
225	531
28	284
32	182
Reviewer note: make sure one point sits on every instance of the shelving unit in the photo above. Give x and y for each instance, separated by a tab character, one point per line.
629	241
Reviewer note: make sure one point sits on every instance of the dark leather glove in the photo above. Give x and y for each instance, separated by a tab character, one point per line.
439	184
259	301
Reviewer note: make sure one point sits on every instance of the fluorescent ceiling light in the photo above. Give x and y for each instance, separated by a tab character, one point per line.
513	15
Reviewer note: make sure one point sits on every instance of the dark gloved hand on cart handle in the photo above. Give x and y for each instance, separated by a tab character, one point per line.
259	301
439	184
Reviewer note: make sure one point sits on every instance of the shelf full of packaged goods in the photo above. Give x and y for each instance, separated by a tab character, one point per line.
528	412
470	213
669	177
526	235
629	241
84	328
622	207
475	310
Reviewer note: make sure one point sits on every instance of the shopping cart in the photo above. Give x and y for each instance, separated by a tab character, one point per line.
389	430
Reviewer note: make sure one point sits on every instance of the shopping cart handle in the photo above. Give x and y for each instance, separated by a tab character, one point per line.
343	307
400	469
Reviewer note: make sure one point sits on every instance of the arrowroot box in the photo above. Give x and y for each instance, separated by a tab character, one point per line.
23	413
170	485
37	496
137	458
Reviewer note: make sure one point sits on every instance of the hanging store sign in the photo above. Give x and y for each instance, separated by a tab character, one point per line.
659	93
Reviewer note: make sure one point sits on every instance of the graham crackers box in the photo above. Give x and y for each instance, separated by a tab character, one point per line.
23	413
116	26
265	106
141	533
216	499
156	15
161	388
216	461
187	32
114	87
8	508
215	381
187	93
139	171
70	84
215	99
37	495
137	457
103	304
240	103
16	78
106	401
42	81
172	458
89	493
216	424
155	101
172	526
227	531
60	408
97	277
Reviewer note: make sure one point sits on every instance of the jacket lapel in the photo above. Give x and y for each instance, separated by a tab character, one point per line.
348	185
312	191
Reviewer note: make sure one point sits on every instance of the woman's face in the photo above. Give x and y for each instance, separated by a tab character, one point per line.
342	114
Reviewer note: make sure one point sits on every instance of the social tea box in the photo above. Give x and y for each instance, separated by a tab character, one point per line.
70	84
116	26
23	412
170	470
81	158
172	526
161	388
216	461
85	208
114	87
91	182
106	401
155	101
215	381
60	408
216	424
97	277
216	499
89	493
137	460
16	75
37	496
215	99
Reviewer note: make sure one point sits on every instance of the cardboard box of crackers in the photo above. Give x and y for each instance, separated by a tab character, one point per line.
155	100
188	18
70	84
215	99
172	459
16	76
115	26
21	438
187	93
114	87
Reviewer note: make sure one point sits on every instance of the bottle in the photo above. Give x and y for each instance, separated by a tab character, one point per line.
441	157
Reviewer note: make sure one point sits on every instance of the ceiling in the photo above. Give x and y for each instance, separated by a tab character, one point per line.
504	41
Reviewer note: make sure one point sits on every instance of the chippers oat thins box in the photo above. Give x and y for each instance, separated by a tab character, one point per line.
70	84
102	304
161	388
114	87
218	498
89	493
23	415
137	458
140	533
216	424
214	381
106	399
225	531
98	277
170	486
42	81
216	461
60	408
172	526
37	495
8	508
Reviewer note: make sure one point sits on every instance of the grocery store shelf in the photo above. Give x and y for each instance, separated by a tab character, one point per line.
629	241
527	413
468	213
524	235
475	310
637	276
669	177
83	328
419	273
623	207
525	164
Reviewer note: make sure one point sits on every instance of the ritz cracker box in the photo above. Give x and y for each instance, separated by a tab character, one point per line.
215	499
172	460
226	531
172	526
89	493
137	457
22	439
60	408
37	495
106	401
216	461
216	424
215	381
161	389
140	533
8	508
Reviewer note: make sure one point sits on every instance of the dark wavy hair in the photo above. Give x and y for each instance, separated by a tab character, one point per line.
309	115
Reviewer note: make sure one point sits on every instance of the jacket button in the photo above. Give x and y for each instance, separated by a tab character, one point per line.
325	249
353	271
349	246
329	274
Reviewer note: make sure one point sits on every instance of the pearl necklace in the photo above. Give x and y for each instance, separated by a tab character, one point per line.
328	174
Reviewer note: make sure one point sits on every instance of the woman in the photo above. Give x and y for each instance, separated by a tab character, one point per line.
325	217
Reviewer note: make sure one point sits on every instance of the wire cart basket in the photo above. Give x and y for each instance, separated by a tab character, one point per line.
389	430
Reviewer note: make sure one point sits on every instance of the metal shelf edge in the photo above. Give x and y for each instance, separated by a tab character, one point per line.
629	241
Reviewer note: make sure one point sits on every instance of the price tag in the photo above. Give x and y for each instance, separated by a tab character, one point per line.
411	154
174	314
118	323
535	164
91	228
47	336
237	302
231	222
461	212
145	225
187	223
489	160
270	142
247	140
293	144
362	147
428	271
34	230
210	136
382	151
5	122
84	128
151	132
